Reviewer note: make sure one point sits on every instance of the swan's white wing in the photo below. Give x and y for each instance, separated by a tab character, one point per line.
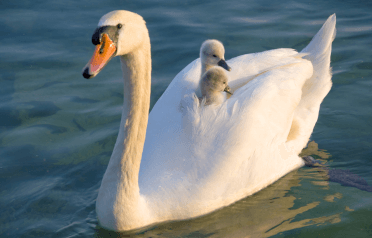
169	157
203	158
242	142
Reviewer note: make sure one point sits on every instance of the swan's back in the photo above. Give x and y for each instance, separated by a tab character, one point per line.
197	159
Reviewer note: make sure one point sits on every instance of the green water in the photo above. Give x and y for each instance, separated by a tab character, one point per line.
57	130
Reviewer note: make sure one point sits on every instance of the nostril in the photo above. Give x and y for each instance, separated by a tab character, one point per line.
102	47
86	73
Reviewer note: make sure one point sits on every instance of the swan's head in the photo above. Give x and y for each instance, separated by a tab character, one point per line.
118	33
212	53
215	80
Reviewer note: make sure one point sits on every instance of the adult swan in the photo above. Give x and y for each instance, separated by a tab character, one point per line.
197	159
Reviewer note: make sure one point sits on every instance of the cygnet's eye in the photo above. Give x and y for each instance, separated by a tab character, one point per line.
224	82
119	26
214	55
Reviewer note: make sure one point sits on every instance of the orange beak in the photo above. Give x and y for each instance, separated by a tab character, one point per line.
101	56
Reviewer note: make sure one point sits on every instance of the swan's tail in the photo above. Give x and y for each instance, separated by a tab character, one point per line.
319	53
315	88
322	41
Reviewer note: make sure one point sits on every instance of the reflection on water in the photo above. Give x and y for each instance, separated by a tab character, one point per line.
313	150
272	211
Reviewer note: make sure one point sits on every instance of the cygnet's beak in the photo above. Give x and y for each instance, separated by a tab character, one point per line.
103	53
223	64
227	89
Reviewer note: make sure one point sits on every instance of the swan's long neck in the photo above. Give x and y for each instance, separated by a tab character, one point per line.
118	203
205	67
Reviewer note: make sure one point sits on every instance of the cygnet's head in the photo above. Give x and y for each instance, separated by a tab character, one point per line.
212	53
215	80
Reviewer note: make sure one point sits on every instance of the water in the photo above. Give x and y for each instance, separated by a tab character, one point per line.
57	130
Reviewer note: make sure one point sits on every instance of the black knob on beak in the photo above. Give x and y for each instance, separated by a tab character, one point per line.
97	37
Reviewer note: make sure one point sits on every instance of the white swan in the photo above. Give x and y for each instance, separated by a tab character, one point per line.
219	154
213	84
212	53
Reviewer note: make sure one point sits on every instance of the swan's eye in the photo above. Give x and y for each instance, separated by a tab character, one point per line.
214	55
224	82
119	26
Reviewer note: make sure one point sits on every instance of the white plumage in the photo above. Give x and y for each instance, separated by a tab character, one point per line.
197	159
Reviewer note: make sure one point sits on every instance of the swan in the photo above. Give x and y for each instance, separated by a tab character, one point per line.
212	53
172	164
213	84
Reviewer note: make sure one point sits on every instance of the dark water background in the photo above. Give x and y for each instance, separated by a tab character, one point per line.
57	130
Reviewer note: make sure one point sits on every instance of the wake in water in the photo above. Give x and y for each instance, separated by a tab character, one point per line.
341	176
